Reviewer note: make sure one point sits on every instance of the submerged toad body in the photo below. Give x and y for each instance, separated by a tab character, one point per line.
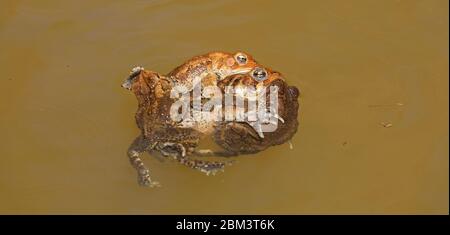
161	134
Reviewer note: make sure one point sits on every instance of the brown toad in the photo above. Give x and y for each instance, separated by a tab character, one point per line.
248	137
209	68
159	133
212	67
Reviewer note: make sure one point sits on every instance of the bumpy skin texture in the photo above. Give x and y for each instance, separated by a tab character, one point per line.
159	133
241	138
212	67
152	93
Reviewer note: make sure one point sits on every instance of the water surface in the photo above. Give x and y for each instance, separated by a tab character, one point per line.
66	122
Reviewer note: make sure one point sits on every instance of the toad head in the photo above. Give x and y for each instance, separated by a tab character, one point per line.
249	136
227	64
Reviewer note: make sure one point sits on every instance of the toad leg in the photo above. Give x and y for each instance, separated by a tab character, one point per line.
207	167
212	153
179	153
136	148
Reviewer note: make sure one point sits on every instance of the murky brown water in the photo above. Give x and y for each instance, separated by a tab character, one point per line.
66	122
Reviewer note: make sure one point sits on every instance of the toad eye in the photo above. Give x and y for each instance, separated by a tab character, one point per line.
259	74
241	59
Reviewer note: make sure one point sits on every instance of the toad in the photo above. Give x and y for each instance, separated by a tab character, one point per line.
248	137
209	68
159	133
212	67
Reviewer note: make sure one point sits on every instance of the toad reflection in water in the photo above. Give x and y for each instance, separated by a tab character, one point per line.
173	138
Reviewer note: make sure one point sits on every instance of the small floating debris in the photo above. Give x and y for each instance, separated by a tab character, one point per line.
344	143
290	145
386	124
386	105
